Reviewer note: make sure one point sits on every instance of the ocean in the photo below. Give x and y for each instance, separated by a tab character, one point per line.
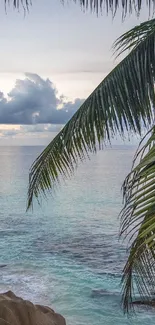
66	253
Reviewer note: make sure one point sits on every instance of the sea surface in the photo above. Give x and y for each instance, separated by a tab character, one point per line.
66	253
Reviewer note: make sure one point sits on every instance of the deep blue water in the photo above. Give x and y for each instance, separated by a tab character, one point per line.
66	253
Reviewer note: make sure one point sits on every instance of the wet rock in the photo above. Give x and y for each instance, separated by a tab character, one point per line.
3	265
17	311
96	293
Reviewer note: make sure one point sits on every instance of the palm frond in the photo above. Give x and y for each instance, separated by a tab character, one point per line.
131	39
18	3
138	222
122	102
126	6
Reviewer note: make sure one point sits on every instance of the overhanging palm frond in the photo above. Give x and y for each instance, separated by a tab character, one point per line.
17	3
122	102
126	6
138	222
131	39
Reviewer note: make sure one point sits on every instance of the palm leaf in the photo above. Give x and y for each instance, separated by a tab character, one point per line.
138	223
122	102
132	38
17	3
127	6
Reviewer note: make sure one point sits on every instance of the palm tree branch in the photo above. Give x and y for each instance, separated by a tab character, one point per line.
120	103
138	223
132	38
25	4
127	7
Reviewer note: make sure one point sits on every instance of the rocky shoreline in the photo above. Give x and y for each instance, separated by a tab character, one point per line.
17	311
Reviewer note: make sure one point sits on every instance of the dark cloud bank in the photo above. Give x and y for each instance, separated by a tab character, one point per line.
36	101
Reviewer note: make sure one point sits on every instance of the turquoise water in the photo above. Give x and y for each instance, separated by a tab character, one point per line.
66	253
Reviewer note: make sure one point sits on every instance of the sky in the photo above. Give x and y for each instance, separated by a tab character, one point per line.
51	59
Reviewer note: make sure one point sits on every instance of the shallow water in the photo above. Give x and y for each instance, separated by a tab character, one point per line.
67	253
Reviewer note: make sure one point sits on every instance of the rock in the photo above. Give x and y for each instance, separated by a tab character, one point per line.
17	311
97	293
150	303
3	265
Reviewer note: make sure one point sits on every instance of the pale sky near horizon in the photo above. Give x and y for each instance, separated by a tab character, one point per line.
64	51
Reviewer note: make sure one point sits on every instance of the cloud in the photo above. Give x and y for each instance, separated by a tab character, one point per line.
36	101
37	131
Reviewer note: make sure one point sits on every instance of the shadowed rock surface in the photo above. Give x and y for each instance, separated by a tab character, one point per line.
97	293
3	265
17	311
145	302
